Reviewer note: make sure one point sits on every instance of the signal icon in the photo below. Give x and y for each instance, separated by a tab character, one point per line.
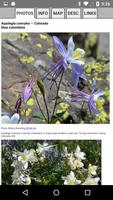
85	3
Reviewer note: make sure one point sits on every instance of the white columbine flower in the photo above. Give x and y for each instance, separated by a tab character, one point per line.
20	179
91	181
71	179
27	156
42	148
21	173
65	151
78	164
19	166
79	154
74	164
10	120
27	180
92	169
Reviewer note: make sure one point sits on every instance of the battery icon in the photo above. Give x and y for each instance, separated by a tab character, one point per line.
97	3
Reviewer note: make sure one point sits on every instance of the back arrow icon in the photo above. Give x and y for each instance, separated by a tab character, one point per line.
25	192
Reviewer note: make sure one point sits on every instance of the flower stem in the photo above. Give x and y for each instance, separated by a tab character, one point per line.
39	105
47	110
82	105
56	99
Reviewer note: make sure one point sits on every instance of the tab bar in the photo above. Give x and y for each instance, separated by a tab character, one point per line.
90	13
73	13
58	13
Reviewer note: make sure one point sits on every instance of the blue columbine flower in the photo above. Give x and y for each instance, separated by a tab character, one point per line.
95	94
69	57
56	154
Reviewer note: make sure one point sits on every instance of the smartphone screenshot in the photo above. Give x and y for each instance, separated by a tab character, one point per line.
56	65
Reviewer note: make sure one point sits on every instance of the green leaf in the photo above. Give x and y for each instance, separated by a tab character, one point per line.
57	116
41	86
38	115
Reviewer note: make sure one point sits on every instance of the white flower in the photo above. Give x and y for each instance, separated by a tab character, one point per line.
21	160
71	160
17	177
10	120
65	151
79	154
92	169
91	181
42	148
78	164
71	179
21	173
27	180
19	166
27	156
42	158
74	164
20	179
14	163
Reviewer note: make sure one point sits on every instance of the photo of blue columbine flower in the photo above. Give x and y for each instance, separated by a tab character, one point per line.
50	80
69	57
91	99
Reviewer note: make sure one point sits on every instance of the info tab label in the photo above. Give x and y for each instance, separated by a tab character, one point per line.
90	13
43	13
58	13
73	13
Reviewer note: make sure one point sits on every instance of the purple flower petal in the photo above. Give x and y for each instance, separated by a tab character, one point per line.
79	96
79	66
83	76
71	47
94	86
60	47
77	72
28	90
74	77
93	107
73	100
98	94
